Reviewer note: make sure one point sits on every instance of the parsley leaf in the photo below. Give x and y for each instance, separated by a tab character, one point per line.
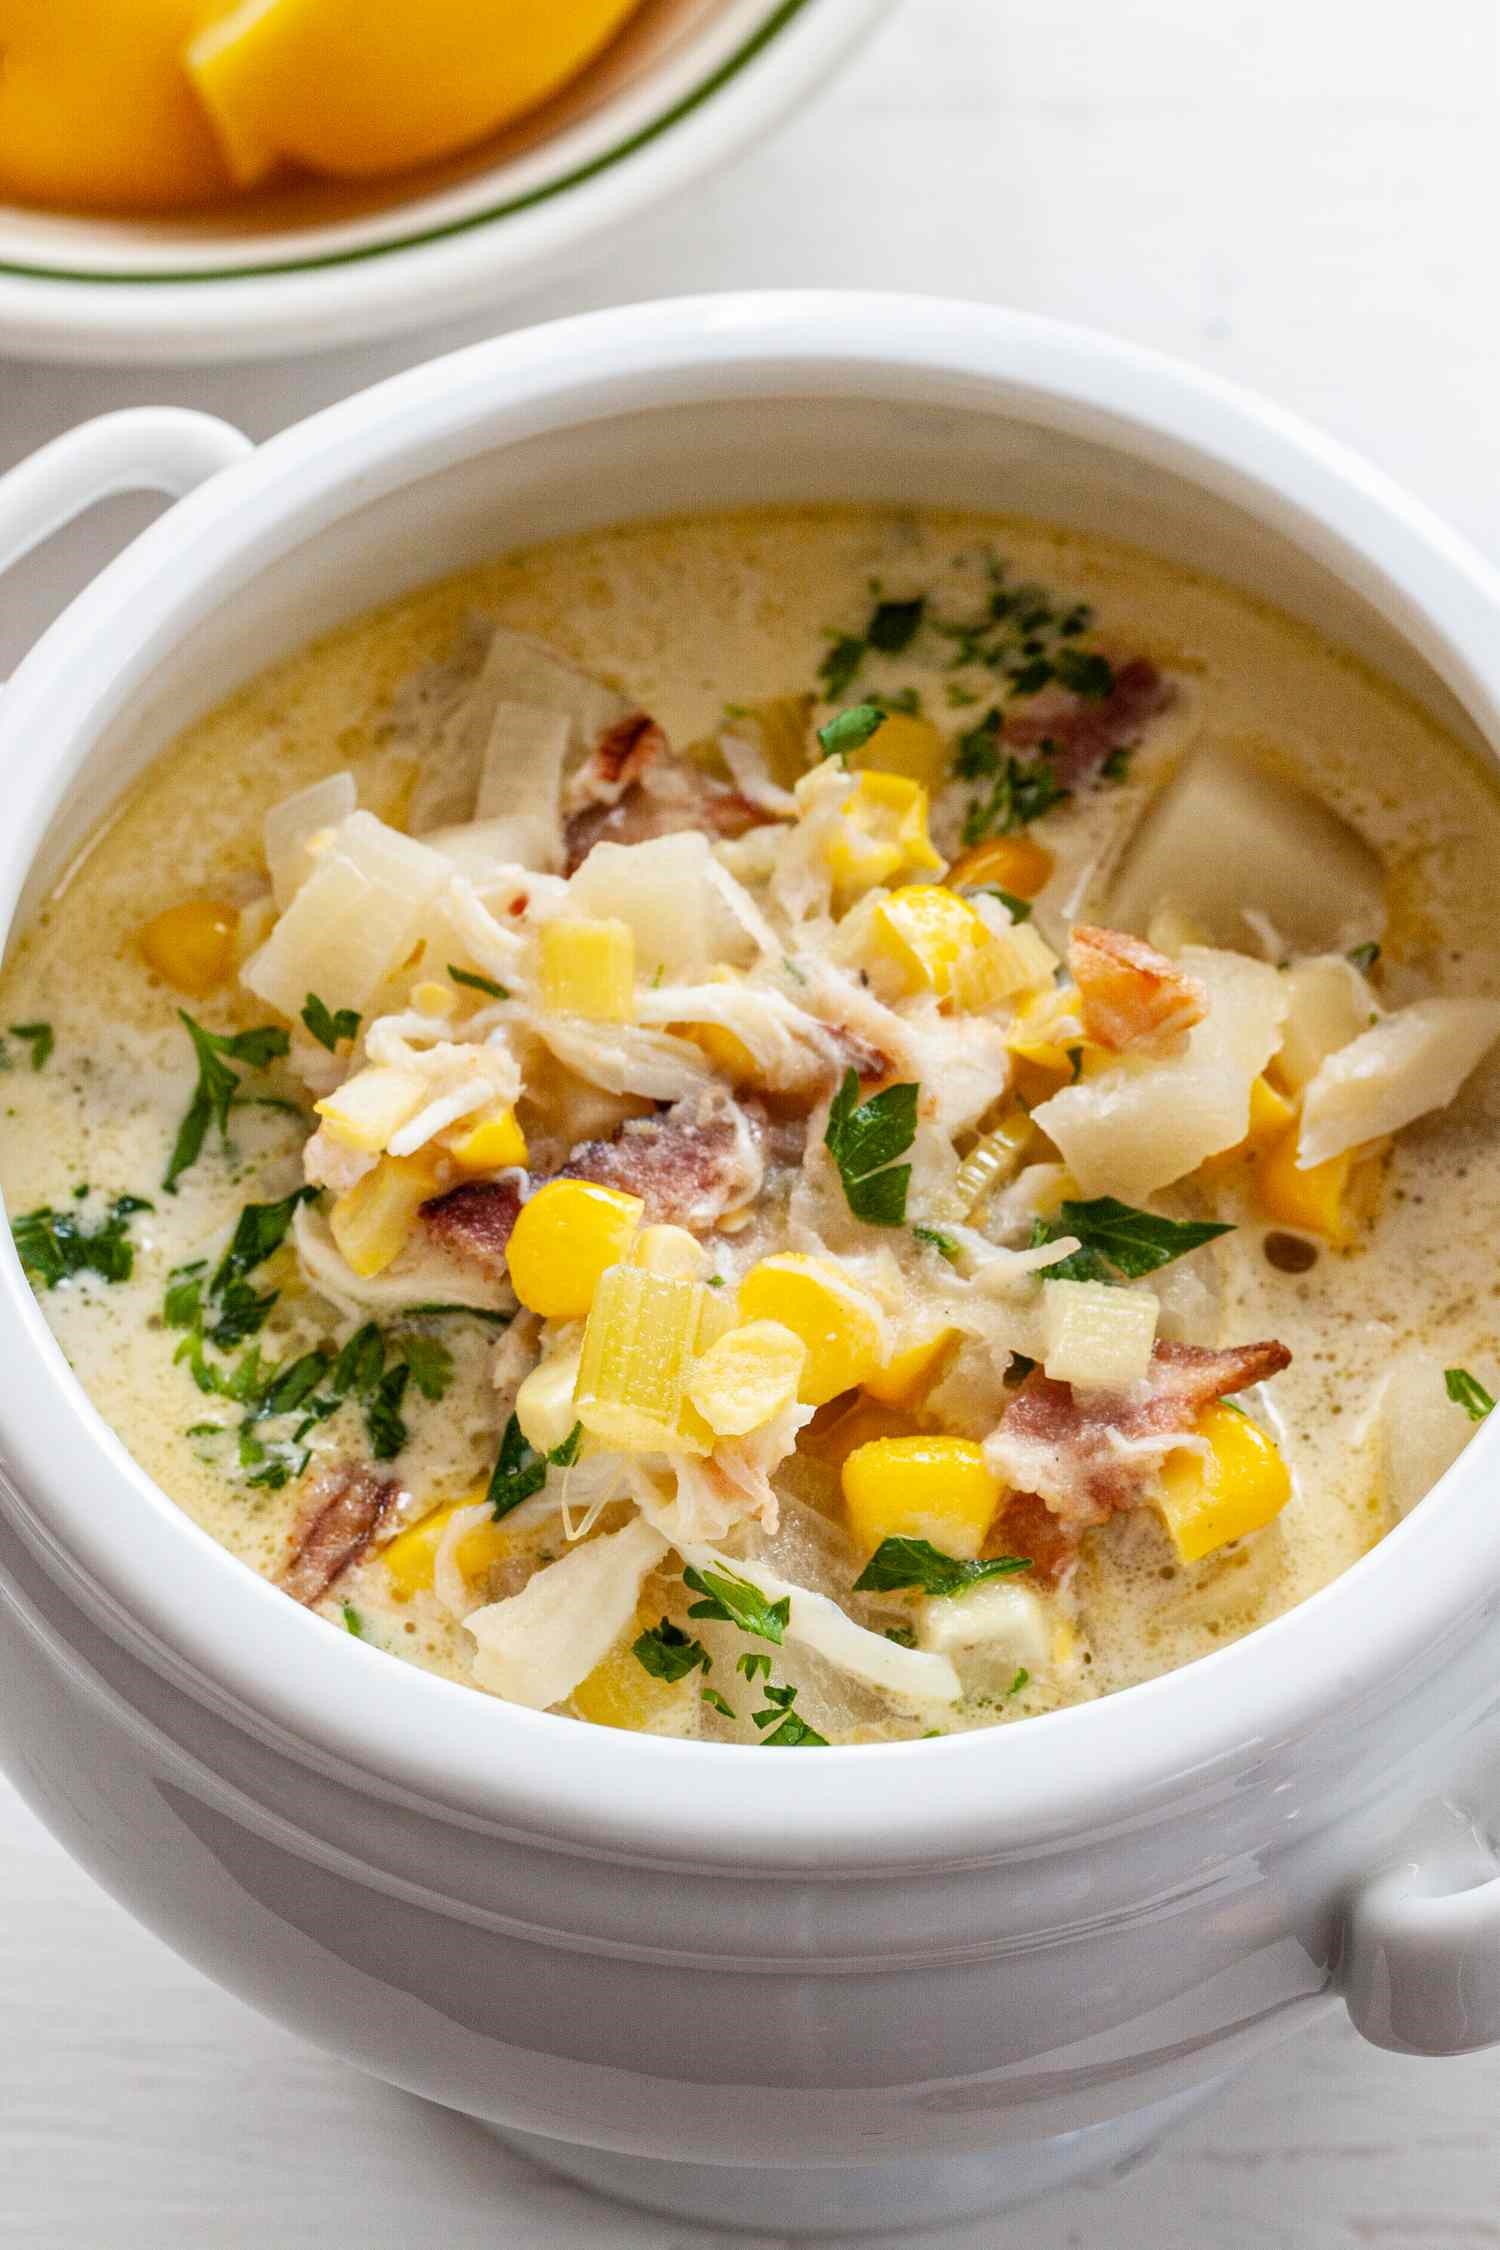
353	1622
1092	677
840	665
1114	1235
326	1027
184	1295
54	1246
864	1139
1022	792
900	1563
218	1086
893	625
736	1602
1022	1679
851	729
790	1731
754	1662
1466	1391
259	1231
520	1471
1364	958
431	1363
383	1418
668	1653
935	1239
39	1037
715	1701
477	983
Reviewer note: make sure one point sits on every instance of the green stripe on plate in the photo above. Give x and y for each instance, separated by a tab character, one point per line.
730	68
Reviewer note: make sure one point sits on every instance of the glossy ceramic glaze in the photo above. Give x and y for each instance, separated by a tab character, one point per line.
957	1971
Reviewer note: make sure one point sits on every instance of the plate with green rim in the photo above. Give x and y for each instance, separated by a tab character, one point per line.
685	87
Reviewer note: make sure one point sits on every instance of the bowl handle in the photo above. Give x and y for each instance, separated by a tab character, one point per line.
143	449
1421	1955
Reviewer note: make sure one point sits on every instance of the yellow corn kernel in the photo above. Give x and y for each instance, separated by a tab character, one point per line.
883	832
724	1049
434	998
921	934
839	1325
641	1338
909	1374
992	1161
1046	1028
493	1142
1270	1116
368	1108
907	745
1238	1486
620	1692
745	1379
935	1488
670	1252
192	945
565	1238
1009	962
544	1402
372	1221
1016	864
588	969
410	1557
1314	1201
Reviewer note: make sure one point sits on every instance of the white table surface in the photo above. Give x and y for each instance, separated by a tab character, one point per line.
1302	194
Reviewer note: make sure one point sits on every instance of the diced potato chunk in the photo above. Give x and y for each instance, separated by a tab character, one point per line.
1408	1063
1229	839
1240	1484
665	891
1096	1336
353	921
372	1105
1328	1004
588	969
1141	1123
544	1402
293	825
1002	1618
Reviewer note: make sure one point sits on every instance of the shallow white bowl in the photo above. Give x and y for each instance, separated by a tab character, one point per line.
686	86
881	1983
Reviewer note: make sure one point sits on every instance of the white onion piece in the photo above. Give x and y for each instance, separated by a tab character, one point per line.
1405	1065
535	1647
291	825
353	921
673	896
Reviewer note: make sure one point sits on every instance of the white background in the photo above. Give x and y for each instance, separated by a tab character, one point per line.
1302	194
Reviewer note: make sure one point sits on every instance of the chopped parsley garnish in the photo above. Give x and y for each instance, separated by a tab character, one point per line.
899	1564
789	1731
864	1139
734	1601
893	626
1091	676
1467	1391
353	1622
1364	957
54	1246
384	1422
935	1239
839	667
1021	792
668	1653
39	1038
753	1664
1019	909
1115	766
851	730
1114	1238
431	1363
327	1026
1022	1679
520	1471
477	983
239	1310
218	1086
715	1701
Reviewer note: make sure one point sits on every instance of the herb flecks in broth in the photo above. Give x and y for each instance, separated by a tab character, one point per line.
719	1173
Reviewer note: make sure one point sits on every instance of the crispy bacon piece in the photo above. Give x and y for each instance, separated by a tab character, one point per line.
1088	1457
348	1505
1028	1527
1131	995
673	795
475	1222
1085	731
689	1164
618	761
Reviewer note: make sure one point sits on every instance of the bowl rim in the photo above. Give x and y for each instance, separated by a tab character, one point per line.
138	1563
337	295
